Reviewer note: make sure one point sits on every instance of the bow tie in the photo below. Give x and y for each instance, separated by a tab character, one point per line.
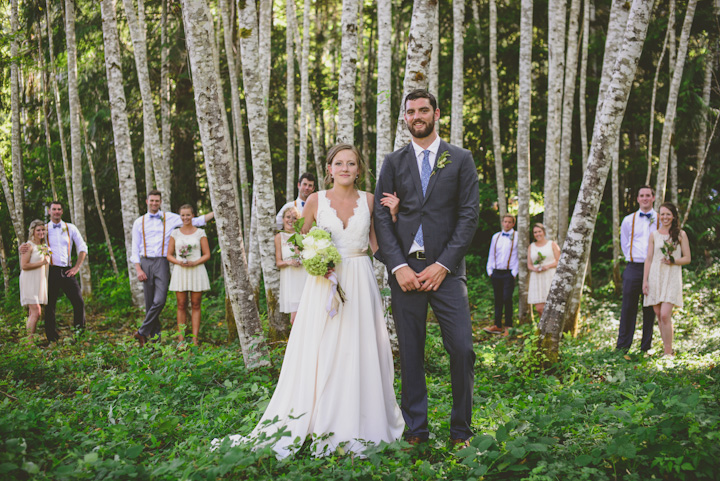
155	216
302	203
644	214
506	234
57	226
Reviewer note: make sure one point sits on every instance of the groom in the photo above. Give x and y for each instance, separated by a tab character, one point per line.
424	252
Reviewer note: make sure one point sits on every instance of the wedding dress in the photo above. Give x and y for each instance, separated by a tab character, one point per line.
336	382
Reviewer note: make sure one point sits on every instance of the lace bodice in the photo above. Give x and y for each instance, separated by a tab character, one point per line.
355	237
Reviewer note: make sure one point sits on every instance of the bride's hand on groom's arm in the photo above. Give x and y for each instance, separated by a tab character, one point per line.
407	279
431	277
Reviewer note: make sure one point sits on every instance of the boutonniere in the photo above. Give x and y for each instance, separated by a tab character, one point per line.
442	162
64	229
651	219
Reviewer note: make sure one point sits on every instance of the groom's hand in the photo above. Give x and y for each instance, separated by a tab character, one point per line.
431	277
407	278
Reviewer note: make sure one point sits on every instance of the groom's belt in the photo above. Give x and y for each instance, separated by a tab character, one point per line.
420	255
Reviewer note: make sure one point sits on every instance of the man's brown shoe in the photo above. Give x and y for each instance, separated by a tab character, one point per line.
460	443
141	339
493	330
414	440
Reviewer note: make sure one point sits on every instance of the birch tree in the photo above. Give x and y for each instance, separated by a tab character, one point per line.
165	91
671	108
495	108
16	152
290	88
419	50
304	90
121	140
458	78
607	129
568	104
264	53
17	225
347	77
434	75
56	92
583	83
75	139
383	122
670	27
45	112
364	94
3	265
199	35
151	136
523	150
262	169
556	62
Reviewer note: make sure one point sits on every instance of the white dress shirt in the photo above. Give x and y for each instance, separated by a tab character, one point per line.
60	240
155	245
503	252
634	242
298	203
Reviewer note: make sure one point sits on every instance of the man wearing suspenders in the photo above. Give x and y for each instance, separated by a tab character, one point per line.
150	237
634	236
502	267
306	186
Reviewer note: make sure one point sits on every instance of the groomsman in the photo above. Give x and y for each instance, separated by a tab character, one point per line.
150	238
634	236
306	186
60	238
502	267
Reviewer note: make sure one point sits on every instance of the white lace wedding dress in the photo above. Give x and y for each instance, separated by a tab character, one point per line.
336	382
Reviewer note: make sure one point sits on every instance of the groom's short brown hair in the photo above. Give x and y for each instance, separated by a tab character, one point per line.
422	94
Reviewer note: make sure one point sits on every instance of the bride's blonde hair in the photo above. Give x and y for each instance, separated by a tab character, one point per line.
31	230
336	149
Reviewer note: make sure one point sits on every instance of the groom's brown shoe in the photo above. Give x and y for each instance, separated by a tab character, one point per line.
414	440
493	330
141	339
459	443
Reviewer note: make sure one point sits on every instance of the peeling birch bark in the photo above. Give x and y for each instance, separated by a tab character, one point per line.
434	74
290	89
199	34
46	113
458	77
348	72
495	116
15	141
605	135
164	90
3	265
383	119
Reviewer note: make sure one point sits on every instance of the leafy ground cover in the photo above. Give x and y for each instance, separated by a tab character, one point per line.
98	407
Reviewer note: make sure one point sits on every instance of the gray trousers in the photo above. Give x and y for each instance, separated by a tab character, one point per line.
155	289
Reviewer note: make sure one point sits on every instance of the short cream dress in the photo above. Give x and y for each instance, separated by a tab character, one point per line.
189	279
664	281
292	279
34	283
539	285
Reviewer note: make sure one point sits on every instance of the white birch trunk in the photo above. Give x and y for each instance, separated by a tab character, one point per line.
237	120
75	140
673	176
348	70
254	267
262	170
671	109
304	91
495	108
151	137
199	36
4	266
61	131
458	78
121	138
605	135
165	91
702	148
16	221
571	63
290	89
264	38
365	66
45	112
383	120
16	154
556	71
523	151
671	24
419	50
615	181
434	75
583	82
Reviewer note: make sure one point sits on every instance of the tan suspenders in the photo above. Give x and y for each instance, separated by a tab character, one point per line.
632	233
162	246
67	231
512	245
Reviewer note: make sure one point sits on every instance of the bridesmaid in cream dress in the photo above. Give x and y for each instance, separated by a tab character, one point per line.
662	279
292	273
189	250
33	277
542	259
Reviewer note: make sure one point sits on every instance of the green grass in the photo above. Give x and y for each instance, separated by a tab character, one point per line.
98	407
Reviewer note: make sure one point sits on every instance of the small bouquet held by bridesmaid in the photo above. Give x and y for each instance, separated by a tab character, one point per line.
540	259
185	251
667	249
318	256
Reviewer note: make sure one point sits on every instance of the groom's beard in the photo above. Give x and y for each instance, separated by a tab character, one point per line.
423	130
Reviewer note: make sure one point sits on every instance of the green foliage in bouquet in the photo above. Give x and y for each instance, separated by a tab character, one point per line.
317	251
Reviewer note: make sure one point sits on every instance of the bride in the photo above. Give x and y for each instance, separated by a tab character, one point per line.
336	382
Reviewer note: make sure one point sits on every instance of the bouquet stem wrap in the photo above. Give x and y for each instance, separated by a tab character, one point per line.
335	297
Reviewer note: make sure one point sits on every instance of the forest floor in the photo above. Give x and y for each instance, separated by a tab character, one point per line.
96	406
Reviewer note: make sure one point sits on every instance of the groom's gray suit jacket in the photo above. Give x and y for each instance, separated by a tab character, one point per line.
448	212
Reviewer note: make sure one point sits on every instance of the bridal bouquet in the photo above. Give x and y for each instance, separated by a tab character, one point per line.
44	250
318	256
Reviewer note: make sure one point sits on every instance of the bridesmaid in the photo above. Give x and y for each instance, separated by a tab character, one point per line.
668	249
292	274
33	277
542	259
189	250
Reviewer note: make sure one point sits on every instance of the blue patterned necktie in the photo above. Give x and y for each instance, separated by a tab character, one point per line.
424	179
